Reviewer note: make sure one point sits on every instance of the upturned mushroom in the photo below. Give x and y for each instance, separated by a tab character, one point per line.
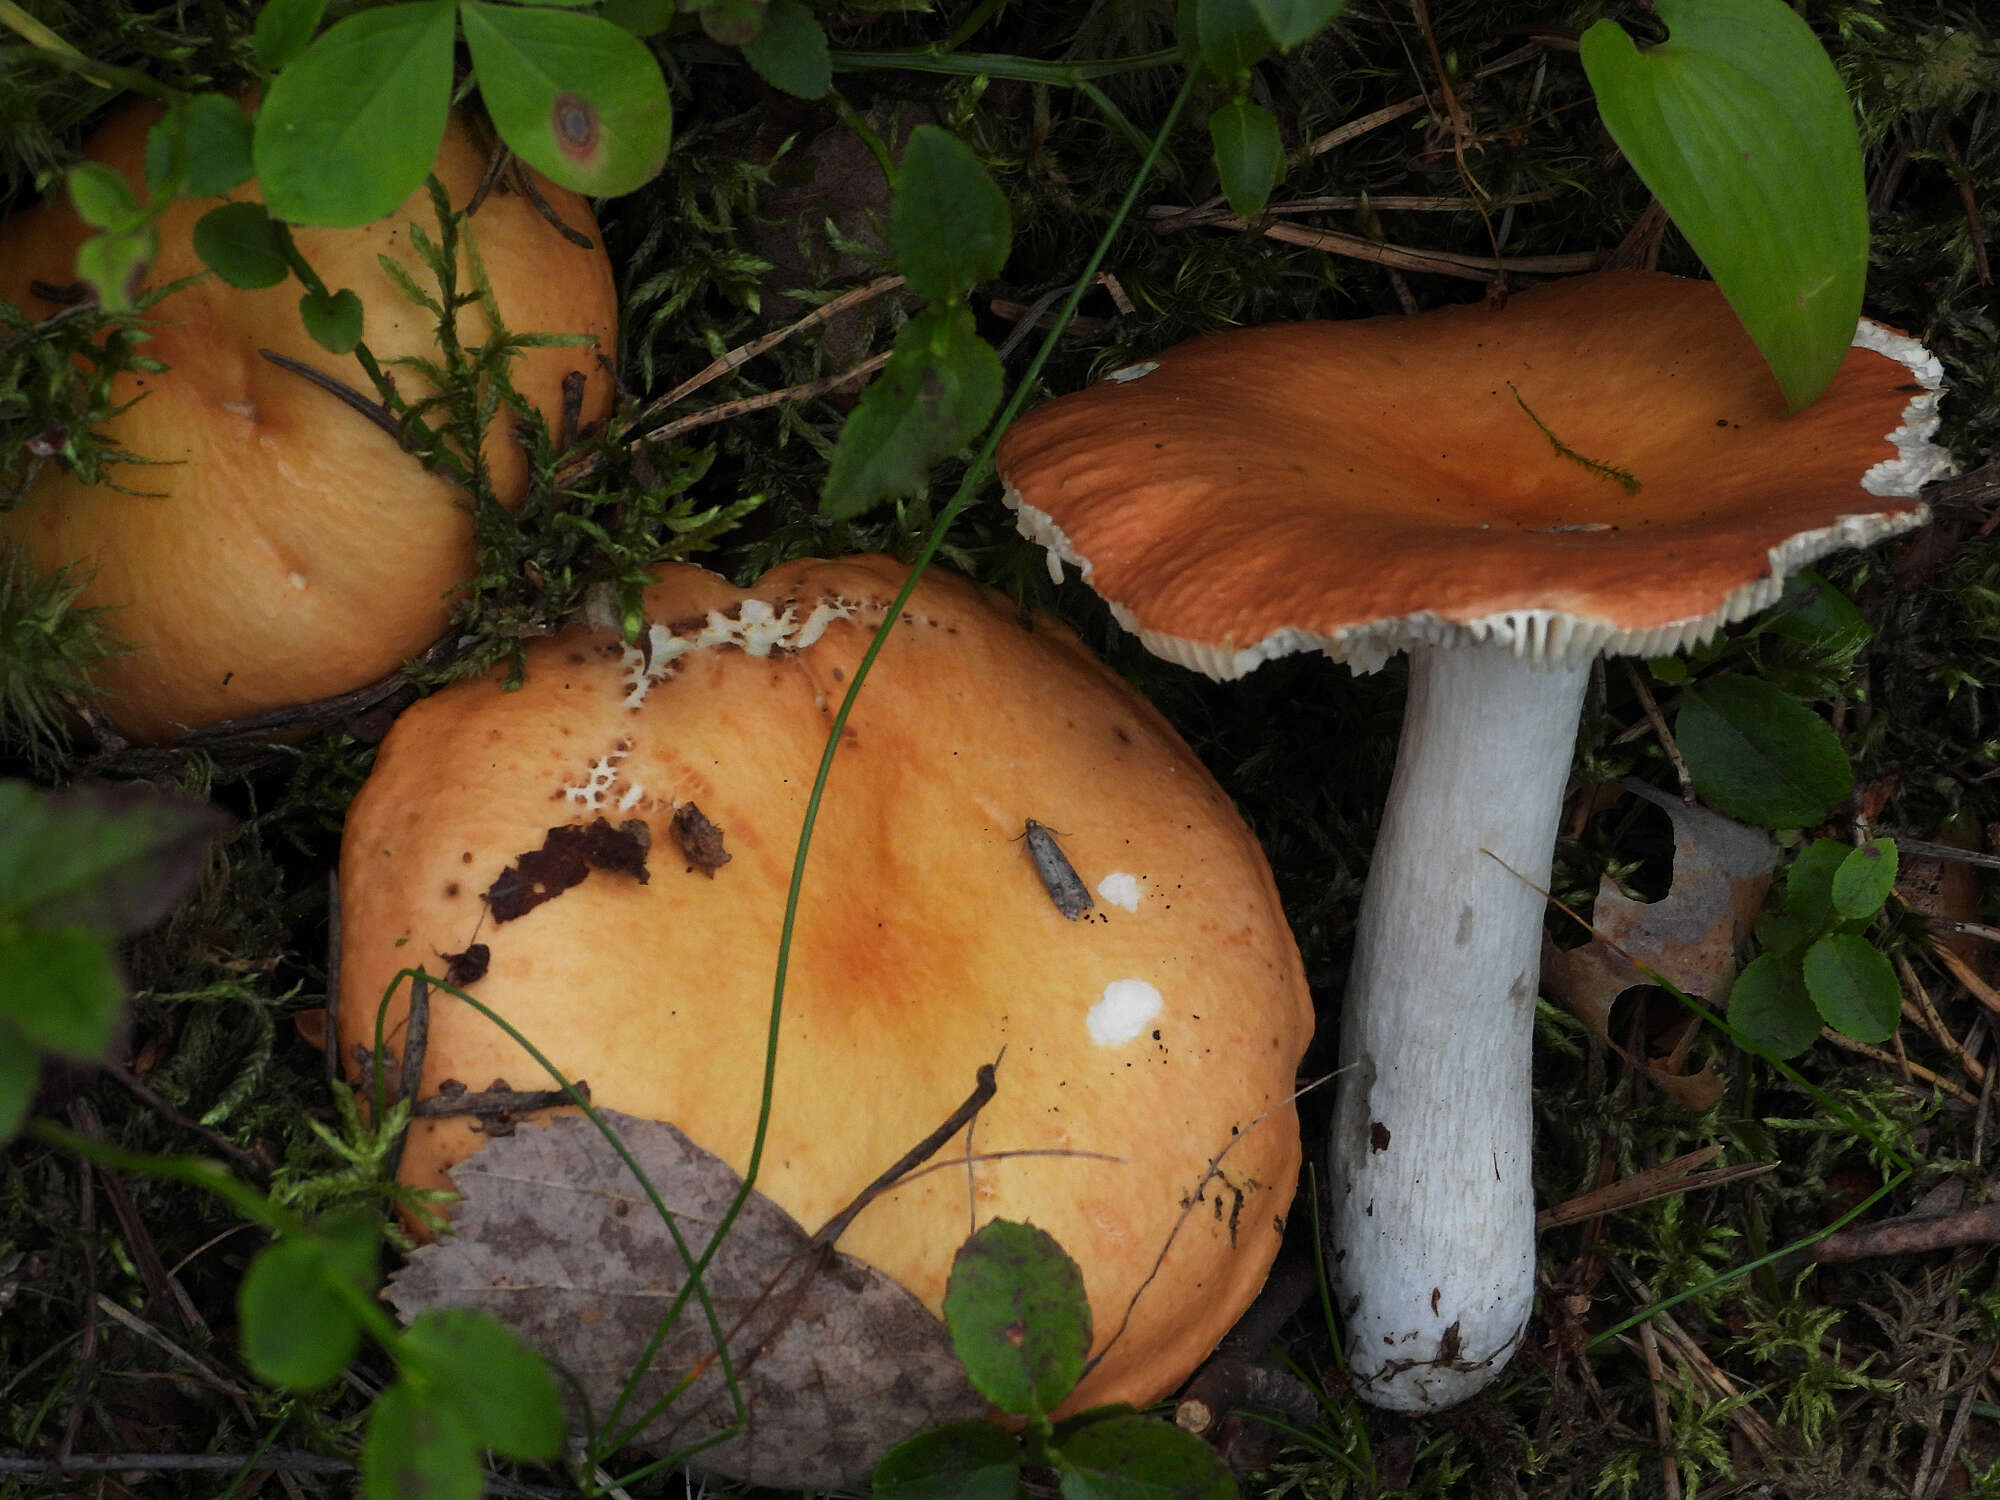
1150	1037
1603	466
278	547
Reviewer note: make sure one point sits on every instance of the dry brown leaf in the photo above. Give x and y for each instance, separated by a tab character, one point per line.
557	1240
1722	870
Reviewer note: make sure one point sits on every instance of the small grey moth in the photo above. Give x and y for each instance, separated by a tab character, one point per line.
1059	878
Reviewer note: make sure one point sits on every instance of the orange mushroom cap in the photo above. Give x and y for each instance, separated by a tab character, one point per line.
1361	487
926	941
282	548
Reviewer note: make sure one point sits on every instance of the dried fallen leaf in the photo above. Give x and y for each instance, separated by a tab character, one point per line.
836	1362
567	856
1722	870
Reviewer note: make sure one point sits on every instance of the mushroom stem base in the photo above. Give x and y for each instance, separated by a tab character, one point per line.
1433	1217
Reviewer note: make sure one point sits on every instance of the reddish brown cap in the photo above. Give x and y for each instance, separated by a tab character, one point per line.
1605	464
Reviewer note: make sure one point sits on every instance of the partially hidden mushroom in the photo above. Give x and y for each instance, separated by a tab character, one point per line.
1146	1043
275	546
1602	466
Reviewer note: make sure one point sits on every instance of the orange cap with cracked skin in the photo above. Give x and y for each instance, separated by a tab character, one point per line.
1603	464
286	548
1156	1032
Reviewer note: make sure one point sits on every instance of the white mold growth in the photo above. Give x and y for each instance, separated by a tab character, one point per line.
1126	1009
756	629
1133	372
1120	889
593	793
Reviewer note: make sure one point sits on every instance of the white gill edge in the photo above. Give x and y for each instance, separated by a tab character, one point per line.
1549	635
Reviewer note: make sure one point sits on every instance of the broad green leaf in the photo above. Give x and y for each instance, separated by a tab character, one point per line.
1864	880
1854	987
298	1330
948	223
1019	1319
640	17
1740	126
1290	22
1231	37
1770	1009
62	989
333	319
115	265
935	394
1809	883
1248	154
499	1385
579	99
240	244
103	199
20	1067
348	131
1815	613
1140	1458
283	29
1780	932
730	23
1759	755
218	144
961	1461
111	858
790	52
419	1449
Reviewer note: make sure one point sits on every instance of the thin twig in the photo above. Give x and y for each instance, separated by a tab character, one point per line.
1947	852
1925	1014
1912	1234
741	355
1437	262
1661	732
1664	1181
1916	1071
728	409
1656	1377
345	394
257	1161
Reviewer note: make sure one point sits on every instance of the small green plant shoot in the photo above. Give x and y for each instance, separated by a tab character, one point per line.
1020	1323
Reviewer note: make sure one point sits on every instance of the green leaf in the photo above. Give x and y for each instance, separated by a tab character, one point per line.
1759	755
960	1461
790	52
103	199
640	17
1809	883
116	265
111	858
577	98
1290	22
1815	613
937	392
20	1068
1232	37
1769	1008
299	1330
730	23
283	29
418	1449
240	244
1141	1458
1864	880
1019	1319
1248	154
333	319
62	989
948	223
1854	987
1740	126
218	143
348	131
499	1385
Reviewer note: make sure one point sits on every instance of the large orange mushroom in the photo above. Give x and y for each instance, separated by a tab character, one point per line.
1603	466
281	547
1150	1036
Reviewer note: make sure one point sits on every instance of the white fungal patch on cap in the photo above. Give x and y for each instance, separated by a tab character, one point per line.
296	579
1120	889
1126	1009
1133	372
593	793
755	629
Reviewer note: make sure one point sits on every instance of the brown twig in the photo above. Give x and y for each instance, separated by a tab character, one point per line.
1656	1377
1975	227
1914	1071
1912	1234
497	1100
726	410
1437	262
1922	1011
342	392
1664	1181
1661	732
257	1161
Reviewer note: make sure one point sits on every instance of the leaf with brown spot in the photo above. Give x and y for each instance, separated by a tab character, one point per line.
1689	938
555	1238
566	857
700	840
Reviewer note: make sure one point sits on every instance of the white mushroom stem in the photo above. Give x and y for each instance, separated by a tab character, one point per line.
1433	1249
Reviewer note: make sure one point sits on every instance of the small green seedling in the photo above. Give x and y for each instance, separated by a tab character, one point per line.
1818	966
1020	1323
